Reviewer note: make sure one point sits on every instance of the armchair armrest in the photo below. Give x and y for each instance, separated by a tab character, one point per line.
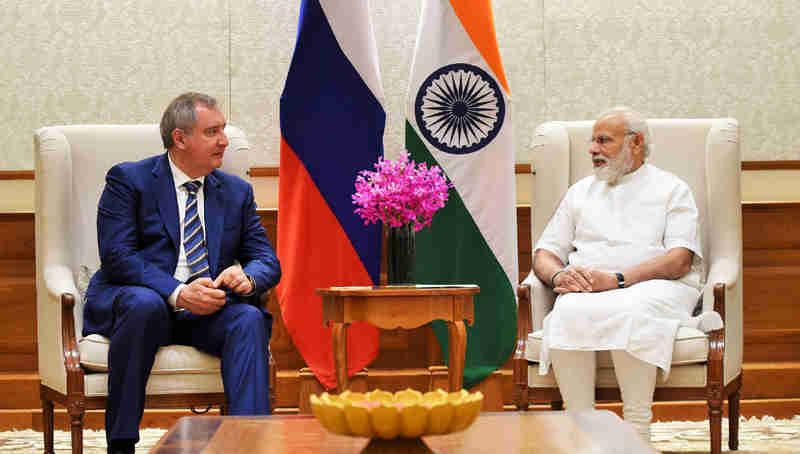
520	363
542	300
726	343
723	271
59	280
61	288
72	356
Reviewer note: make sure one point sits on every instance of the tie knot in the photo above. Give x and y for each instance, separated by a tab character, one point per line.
192	186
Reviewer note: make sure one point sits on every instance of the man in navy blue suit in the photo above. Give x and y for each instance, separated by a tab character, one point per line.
184	260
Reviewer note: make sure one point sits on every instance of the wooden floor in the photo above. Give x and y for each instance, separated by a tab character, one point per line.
771	380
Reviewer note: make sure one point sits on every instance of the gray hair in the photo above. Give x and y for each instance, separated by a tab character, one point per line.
180	115
635	123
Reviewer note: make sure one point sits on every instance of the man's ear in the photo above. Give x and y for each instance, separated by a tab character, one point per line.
179	138
637	143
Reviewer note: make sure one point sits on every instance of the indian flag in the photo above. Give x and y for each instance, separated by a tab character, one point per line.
458	117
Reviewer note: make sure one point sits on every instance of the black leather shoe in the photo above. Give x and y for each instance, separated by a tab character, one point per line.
121	447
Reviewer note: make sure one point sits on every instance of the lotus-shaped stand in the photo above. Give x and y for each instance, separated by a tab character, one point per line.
395	422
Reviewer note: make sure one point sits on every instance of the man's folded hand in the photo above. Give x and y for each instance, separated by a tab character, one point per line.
201	297
235	279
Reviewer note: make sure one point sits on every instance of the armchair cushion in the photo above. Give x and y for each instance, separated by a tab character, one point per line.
691	347
172	359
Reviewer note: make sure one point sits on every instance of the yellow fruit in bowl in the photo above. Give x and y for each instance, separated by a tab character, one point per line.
331	414
466	411
456	397
413	420
357	416
380	396
440	417
315	407
385	420
435	396
408	396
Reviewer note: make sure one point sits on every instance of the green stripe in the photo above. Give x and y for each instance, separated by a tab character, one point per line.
453	251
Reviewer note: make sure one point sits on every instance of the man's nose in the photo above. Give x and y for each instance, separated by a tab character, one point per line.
223	140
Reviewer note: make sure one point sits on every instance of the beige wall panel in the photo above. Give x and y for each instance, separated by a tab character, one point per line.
17	196
520	34
699	58
771	186
70	61
262	41
395	24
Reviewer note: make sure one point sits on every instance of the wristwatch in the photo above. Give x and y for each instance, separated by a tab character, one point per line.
620	280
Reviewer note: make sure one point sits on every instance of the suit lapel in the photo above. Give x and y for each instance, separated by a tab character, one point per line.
164	191
214	219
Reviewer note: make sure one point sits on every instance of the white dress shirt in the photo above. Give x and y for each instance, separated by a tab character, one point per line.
182	271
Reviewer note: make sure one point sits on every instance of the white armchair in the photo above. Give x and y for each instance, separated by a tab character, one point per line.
705	154
71	163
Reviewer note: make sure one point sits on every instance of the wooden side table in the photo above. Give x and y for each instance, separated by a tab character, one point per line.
390	307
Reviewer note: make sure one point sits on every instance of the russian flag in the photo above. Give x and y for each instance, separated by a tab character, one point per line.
332	123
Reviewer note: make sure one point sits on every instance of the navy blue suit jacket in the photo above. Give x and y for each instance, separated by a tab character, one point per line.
137	234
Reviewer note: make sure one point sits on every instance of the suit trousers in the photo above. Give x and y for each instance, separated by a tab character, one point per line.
143	321
576	371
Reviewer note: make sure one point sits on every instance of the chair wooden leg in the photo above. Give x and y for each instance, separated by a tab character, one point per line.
47	425
715	423
76	412
733	420
522	398
557	405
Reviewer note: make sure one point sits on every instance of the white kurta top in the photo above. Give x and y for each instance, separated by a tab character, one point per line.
612	228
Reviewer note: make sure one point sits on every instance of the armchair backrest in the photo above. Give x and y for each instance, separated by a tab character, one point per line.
71	164
702	152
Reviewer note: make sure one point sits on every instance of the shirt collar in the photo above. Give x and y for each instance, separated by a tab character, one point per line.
632	175
178	176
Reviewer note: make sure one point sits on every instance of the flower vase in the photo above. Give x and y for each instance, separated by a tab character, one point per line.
401	255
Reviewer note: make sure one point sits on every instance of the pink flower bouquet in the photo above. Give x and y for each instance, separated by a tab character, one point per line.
400	192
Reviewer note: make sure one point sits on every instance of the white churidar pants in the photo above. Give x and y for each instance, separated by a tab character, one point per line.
575	372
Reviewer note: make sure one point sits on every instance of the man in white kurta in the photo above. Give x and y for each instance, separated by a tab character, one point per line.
623	252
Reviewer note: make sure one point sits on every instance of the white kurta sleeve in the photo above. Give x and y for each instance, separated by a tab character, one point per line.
559	235
682	228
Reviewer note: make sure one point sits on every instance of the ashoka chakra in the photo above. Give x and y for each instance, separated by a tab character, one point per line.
459	108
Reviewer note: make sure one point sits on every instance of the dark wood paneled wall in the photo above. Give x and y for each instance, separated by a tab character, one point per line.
771	236
412	358
17	292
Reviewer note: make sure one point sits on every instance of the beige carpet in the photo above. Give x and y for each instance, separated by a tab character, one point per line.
756	436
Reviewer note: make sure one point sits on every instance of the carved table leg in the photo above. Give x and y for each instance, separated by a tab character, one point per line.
458	348
340	355
47	425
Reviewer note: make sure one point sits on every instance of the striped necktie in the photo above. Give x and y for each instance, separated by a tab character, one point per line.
194	242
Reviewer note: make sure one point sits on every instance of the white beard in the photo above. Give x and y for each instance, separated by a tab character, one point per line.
615	167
